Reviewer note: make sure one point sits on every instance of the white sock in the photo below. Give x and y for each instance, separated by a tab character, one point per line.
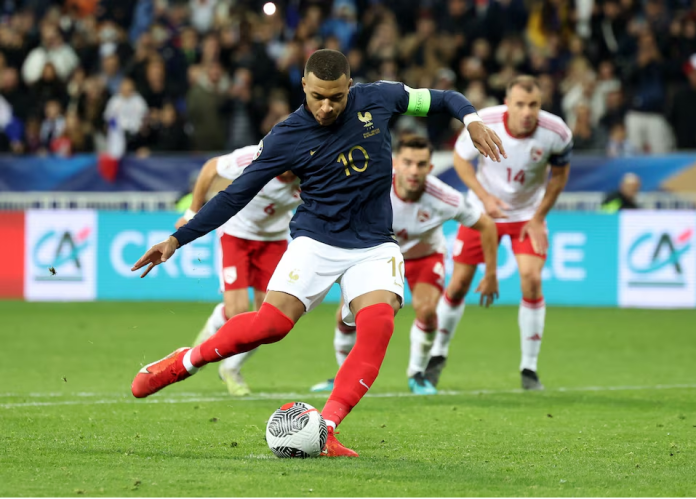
531	319
216	320
188	364
421	343
344	339
449	314
330	424
236	362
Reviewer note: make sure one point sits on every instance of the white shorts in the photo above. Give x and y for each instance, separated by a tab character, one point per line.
309	268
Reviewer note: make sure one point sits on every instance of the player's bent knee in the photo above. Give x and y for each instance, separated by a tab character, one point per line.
427	315
531	282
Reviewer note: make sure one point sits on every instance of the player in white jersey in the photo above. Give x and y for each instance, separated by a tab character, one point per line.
516	194
422	204
252	244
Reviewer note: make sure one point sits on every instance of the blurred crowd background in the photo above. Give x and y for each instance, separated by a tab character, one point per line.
213	75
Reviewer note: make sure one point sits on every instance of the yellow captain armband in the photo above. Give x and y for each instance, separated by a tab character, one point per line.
418	101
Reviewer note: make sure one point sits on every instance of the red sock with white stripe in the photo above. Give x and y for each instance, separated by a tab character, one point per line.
531	320
374	328
240	334
449	313
422	338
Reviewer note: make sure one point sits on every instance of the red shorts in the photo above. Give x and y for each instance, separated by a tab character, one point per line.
248	263
429	270
467	247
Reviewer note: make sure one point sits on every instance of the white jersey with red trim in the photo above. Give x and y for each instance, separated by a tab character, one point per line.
267	216
418	224
519	180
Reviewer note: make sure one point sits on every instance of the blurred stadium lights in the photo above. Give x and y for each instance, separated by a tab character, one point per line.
269	8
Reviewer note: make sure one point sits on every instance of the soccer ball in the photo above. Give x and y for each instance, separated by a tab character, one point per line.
296	430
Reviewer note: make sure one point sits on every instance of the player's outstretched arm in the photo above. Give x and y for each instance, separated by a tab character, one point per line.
488	287
159	253
536	228
203	183
426	101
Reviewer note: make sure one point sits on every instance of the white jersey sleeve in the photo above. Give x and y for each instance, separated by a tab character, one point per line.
467	214
465	147
232	165
267	216
418	224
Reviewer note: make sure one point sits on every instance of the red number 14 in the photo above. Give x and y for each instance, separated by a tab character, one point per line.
519	176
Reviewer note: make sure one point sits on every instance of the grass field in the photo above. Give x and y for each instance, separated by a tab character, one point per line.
618	417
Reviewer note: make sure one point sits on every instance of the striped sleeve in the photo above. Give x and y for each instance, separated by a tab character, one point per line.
459	208
231	166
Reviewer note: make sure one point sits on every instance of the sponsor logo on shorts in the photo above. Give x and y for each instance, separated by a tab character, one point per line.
229	274
293	275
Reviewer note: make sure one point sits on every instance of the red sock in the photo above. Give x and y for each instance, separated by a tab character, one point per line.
375	325
242	333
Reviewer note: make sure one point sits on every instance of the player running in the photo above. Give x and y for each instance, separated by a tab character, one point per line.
516	195
338	143
252	243
421	204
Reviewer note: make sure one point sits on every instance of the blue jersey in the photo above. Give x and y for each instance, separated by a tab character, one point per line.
345	168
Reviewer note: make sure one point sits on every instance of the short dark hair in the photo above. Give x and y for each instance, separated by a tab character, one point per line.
528	83
327	65
414	142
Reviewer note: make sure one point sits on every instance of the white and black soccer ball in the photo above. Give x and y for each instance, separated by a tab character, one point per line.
296	430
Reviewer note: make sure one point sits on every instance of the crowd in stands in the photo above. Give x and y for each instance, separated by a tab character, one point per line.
213	75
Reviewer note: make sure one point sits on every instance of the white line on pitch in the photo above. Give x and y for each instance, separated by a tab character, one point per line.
189	397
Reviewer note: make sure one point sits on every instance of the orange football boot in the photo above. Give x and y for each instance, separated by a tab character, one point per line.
153	377
334	448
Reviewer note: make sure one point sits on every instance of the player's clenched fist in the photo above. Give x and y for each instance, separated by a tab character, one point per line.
159	253
486	141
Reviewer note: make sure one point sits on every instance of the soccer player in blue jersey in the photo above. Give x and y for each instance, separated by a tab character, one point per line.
338	143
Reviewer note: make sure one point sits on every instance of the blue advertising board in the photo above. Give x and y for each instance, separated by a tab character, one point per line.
191	274
581	269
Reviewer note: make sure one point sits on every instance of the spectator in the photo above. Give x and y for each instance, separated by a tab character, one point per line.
245	116
342	24
171	134
111	73
10	129
189	46
278	108
52	50
202	14
203	103
646	126
32	136
606	83
156	91
476	93
618	145
15	93
625	197
53	123
615	109
48	87
585	136
91	105
683	109
73	139
550	98
127	109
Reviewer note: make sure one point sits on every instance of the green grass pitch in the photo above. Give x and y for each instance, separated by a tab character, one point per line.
618	417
